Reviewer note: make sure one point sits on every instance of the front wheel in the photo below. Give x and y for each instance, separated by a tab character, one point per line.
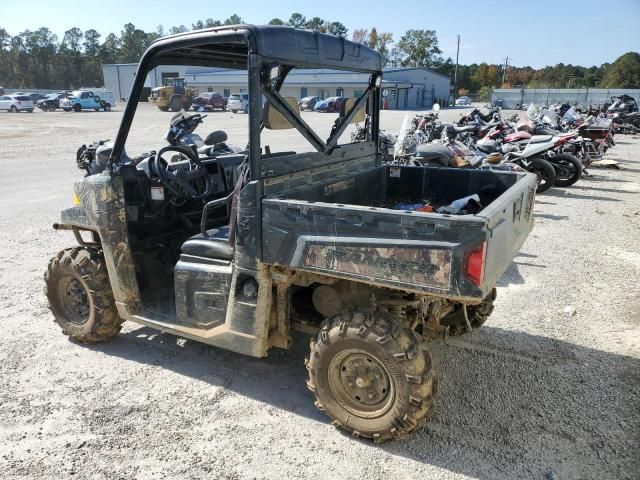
568	170
80	297
13	109
371	374
545	172
77	108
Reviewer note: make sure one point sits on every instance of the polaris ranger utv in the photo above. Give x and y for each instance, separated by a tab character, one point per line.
241	250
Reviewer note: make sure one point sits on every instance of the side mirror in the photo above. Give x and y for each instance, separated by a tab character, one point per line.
216	137
360	115
274	120
436	107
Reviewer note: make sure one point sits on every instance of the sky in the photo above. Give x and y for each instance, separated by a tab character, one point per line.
535	33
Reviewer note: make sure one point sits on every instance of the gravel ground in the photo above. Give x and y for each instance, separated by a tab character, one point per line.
536	390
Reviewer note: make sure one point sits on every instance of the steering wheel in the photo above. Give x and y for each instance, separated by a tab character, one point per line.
184	180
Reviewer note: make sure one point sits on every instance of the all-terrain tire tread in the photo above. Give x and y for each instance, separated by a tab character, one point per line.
89	265
382	330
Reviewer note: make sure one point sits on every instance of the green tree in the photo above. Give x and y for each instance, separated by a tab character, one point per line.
623	73
174	30
109	49
419	48
93	69
276	21
234	20
316	24
297	20
338	29
383	45
133	43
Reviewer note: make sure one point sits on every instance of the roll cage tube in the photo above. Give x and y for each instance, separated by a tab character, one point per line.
271	91
236	47
152	56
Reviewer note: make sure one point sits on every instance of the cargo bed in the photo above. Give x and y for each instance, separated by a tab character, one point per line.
343	227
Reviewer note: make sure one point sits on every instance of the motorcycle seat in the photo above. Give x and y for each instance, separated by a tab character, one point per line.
215	246
540	138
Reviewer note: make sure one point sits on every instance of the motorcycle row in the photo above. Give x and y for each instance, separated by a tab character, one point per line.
555	143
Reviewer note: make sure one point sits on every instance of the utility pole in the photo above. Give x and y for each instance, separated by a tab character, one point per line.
504	72
455	73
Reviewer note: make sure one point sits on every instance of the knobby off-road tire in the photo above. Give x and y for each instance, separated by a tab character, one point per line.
478	315
371	375
80	297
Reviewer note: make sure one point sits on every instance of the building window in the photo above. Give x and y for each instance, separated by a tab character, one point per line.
357	93
227	92
243	90
303	92
339	92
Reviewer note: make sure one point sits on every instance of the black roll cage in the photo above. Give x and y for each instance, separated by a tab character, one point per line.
240	47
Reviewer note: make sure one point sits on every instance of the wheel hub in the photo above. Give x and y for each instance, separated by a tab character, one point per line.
360	383
74	296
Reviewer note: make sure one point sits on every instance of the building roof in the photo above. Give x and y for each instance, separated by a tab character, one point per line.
401	69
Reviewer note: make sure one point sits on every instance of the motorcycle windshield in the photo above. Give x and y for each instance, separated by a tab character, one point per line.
398	148
570	115
532	112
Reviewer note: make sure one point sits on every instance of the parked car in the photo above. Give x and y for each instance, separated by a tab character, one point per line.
238	101
16	103
50	103
35	97
331	104
209	101
463	101
88	99
307	103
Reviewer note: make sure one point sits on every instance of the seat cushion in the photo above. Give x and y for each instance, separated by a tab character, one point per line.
215	246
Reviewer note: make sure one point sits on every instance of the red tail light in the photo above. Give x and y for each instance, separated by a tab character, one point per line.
474	267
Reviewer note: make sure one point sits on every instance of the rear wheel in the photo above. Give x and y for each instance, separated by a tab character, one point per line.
545	172
371	374
477	314
13	109
164	109
80	297
234	111
568	169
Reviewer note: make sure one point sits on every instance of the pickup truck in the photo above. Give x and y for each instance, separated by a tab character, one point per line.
79	100
244	249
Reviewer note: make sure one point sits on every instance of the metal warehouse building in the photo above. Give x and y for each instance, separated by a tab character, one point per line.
402	87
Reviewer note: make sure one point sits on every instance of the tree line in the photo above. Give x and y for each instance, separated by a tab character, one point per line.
39	59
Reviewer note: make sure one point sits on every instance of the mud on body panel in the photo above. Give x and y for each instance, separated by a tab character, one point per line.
102	198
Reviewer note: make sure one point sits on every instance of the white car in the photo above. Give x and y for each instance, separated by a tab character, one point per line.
463	101
238	102
16	103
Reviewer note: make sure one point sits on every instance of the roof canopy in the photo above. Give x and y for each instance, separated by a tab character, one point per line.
229	47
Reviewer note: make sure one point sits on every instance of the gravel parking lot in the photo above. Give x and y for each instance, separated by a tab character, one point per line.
537	390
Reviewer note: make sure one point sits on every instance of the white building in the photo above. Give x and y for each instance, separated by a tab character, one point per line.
402	87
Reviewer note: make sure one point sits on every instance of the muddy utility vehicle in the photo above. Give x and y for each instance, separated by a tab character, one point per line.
242	250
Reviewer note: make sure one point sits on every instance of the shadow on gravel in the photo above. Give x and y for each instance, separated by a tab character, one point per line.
566	194
549	216
511	276
600	189
514	405
597	179
544	403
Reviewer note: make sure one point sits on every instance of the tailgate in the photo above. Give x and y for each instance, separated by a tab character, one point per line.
509	221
